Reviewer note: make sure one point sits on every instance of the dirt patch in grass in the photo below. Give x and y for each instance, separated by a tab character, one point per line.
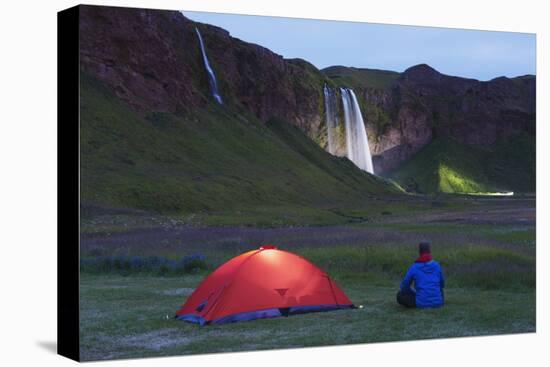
177	292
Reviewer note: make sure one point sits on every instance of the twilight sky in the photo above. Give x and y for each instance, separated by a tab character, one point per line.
481	55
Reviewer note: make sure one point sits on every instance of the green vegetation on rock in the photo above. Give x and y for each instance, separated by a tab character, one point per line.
358	78
447	166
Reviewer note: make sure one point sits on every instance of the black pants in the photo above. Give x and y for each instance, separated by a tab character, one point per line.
407	299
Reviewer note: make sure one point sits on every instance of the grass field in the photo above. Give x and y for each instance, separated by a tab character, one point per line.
130	317
487	250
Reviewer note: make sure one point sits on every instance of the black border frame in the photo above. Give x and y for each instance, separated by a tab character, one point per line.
68	184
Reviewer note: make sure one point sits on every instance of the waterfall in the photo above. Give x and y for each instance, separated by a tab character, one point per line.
211	75
331	112
357	141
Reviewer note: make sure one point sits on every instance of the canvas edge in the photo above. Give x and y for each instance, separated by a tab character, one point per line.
68	183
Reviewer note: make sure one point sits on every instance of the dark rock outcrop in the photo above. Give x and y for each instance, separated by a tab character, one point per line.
423	103
151	59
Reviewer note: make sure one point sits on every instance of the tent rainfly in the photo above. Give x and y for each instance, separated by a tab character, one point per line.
262	283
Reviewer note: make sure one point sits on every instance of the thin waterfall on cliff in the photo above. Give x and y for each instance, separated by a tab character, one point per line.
331	112
357	142
209	71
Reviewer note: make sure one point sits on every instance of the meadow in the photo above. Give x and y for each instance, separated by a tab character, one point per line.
136	272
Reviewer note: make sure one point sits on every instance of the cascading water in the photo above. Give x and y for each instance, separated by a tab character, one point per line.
357	141
209	71
331	112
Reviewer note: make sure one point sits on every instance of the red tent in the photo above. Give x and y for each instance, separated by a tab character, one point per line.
262	283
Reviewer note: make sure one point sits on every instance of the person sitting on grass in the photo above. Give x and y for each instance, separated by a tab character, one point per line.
428	281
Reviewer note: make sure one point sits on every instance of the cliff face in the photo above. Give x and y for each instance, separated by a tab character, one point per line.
151	59
422	104
148	58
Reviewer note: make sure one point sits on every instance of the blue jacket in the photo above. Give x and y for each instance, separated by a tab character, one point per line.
428	282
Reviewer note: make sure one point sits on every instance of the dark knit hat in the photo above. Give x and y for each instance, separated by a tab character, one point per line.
424	247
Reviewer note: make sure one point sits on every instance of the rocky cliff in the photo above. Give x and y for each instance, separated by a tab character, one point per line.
406	111
151	60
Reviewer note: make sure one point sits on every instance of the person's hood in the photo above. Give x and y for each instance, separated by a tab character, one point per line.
427	267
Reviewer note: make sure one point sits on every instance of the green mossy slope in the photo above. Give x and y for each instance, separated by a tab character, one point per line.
213	160
450	167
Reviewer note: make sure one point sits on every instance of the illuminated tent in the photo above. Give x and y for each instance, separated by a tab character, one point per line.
262	283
